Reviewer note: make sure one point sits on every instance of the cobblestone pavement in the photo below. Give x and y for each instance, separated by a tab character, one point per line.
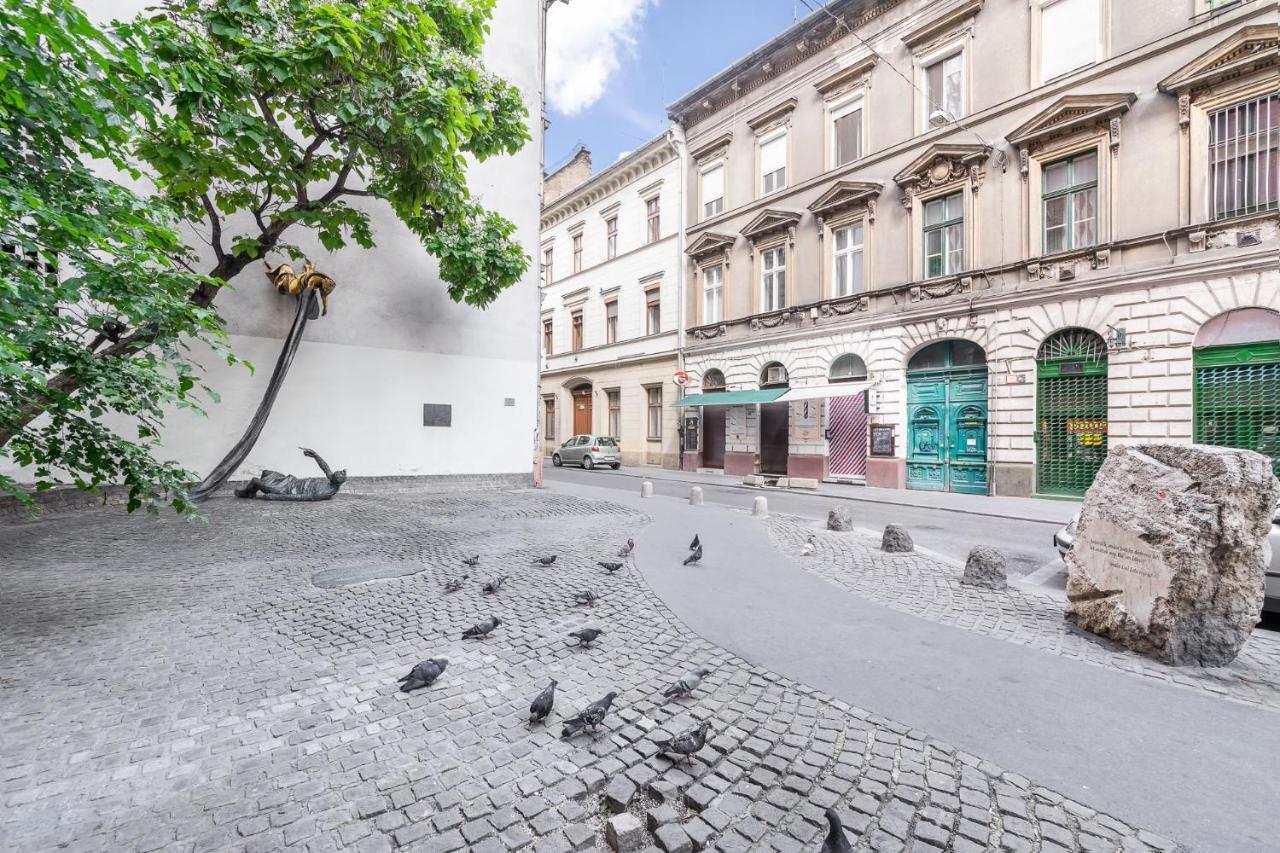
188	687
924	586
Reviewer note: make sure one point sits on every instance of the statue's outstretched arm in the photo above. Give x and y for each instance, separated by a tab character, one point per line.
316	456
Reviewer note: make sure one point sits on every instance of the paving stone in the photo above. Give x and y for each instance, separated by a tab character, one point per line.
624	833
673	839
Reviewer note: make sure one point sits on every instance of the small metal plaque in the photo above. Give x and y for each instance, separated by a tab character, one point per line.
437	414
509	402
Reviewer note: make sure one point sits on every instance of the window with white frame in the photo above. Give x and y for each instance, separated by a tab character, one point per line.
615	413
1070	203
846	247
547	336
611	322
713	191
654	400
846	132
577	253
1244	157
944	235
773	162
713	294
773	278
1070	35
653	222
653	312
548	259
611	238
944	89
549	418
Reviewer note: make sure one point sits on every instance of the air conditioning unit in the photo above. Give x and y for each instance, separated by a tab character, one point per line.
775	376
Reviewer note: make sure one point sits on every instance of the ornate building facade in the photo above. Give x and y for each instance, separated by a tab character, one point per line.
964	245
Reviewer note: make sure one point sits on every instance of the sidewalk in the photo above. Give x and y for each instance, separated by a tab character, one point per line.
1022	509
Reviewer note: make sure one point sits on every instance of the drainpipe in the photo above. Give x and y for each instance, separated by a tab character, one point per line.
542	164
676	139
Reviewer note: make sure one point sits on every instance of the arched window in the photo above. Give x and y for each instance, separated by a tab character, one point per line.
774	375
713	380
847	368
950	353
1236	386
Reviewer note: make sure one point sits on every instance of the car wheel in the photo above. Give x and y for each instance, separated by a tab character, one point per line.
615	466
588	462
555	460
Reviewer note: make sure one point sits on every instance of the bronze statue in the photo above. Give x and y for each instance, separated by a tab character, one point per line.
286	487
289	283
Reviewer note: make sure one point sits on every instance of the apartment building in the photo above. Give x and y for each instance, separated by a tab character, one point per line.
964	245
611	303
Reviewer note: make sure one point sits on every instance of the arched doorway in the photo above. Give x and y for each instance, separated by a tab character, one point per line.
713	421
1071	411
1236	387
847	420
947	418
581	409
774	423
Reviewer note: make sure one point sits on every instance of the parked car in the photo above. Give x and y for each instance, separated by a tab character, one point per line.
589	451
1066	537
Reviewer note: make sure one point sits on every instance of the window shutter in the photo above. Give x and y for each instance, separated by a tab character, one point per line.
1069	31
773	154
713	184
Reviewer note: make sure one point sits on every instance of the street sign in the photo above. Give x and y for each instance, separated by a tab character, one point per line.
680	378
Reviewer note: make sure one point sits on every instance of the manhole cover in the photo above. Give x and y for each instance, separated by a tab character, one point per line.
346	575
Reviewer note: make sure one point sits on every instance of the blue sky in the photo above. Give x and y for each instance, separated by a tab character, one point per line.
613	65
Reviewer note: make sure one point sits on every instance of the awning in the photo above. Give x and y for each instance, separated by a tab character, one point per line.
821	392
732	398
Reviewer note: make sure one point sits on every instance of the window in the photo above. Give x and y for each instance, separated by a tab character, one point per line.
847	368
944	235
1070	35
713	191
577	253
548	256
653	221
611	238
653	312
846	279
549	419
713	294
846	133
1244	157
773	163
713	380
611	323
615	412
577	331
655	412
773	279
1070	203
546	336
944	89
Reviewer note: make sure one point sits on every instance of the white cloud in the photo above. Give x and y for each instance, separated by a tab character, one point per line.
586	41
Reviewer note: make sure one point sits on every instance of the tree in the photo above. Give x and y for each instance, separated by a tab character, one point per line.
254	118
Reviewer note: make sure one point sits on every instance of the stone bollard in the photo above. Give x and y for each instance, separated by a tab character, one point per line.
840	519
760	507
985	569
896	540
646	489
695	496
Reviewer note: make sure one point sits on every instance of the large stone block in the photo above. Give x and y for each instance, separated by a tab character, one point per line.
1171	551
839	518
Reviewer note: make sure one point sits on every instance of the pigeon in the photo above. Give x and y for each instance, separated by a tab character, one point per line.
546	561
423	674
542	703
687	684
471	561
688	743
481	629
836	841
808	548
586	636
592	715
587	597
696	543
609	567
692	559
455	584
493	584
625	550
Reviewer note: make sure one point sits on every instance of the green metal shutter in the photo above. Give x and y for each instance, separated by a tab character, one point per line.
1237	398
1071	412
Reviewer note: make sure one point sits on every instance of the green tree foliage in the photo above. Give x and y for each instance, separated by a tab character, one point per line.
251	118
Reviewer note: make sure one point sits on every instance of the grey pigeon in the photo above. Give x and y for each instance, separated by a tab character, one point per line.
836	841
481	629
586	636
587	597
688	743
687	684
423	674
591	716
546	561
692	559
609	567
455	584
696	543
471	561
542	703
493	584
625	550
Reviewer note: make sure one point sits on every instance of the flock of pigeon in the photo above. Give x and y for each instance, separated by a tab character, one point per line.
684	745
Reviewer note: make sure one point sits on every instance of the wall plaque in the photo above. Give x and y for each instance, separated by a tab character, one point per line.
437	414
1115	558
881	439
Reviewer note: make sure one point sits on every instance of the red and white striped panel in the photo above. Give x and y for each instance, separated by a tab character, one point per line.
847	436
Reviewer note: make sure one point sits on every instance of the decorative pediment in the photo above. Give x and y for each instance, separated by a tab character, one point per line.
843	79
712	149
943	164
942	25
708	244
1245	51
771	221
1069	114
773	116
844	195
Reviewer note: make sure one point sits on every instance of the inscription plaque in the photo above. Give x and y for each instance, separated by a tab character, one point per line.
1118	561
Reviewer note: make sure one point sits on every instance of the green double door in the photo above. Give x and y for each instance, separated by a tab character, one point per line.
947	430
1236	398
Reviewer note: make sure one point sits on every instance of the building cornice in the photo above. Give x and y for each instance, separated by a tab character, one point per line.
655	154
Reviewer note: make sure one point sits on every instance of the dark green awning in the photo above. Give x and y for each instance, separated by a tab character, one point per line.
732	398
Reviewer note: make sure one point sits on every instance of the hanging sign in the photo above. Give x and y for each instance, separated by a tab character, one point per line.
680	378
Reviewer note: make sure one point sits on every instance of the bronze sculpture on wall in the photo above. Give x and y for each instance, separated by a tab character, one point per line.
275	486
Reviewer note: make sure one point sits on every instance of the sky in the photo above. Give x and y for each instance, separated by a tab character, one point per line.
614	65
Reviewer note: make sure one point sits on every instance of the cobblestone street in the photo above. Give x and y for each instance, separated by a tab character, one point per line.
232	686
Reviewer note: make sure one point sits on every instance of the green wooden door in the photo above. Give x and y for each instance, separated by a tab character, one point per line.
947	426
1236	398
1071	412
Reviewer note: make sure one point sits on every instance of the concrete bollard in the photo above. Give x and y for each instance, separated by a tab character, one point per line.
695	496
646	489
760	507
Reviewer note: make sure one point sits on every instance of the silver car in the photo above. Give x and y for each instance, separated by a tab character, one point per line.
589	451
1064	538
